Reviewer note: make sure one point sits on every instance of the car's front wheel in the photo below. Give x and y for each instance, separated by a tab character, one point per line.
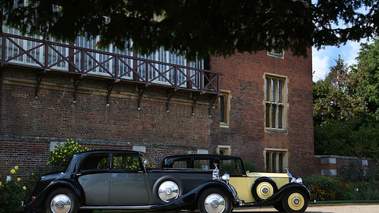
214	200
294	201
61	200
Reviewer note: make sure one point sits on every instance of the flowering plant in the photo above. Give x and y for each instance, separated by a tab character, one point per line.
12	191
63	152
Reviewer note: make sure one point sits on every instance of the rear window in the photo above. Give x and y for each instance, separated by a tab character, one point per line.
95	161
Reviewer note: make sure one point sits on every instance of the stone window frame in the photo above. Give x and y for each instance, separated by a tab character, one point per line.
276	160
224	150
275	105
224	108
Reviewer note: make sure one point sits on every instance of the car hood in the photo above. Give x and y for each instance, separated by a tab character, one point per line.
271	175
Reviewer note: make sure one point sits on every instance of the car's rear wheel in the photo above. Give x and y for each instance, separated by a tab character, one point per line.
61	200
214	200
295	201
168	188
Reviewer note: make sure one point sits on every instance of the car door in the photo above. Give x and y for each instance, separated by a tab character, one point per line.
94	177
128	181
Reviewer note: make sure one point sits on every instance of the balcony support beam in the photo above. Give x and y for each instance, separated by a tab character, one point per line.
110	88
170	93
212	100
39	77
141	90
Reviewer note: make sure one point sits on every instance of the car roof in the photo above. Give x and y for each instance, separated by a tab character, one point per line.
97	151
170	159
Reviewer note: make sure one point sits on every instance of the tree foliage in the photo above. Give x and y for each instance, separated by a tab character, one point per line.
332	99
346	107
197	28
364	78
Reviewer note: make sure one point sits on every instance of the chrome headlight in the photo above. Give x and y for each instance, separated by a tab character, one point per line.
225	178
299	180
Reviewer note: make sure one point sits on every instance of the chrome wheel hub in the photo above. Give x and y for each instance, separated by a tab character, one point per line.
61	203
214	203
168	191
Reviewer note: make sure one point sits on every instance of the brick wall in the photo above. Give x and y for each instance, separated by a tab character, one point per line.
243	75
28	125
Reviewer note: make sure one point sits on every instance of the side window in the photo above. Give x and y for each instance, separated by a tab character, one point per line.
95	161
180	164
126	161
202	164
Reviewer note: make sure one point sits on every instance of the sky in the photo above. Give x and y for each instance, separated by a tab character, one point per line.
325	58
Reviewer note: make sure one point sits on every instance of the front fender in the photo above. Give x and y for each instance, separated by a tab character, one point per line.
278	196
190	198
39	200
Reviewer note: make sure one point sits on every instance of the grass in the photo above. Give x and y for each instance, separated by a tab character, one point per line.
343	201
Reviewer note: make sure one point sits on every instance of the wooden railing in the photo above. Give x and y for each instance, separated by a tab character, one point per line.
62	57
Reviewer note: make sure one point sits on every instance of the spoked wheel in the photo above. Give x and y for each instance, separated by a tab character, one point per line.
214	200
61	200
295	202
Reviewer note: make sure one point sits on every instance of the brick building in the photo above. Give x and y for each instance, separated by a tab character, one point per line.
258	106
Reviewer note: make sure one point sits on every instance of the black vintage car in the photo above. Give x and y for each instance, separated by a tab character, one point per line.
116	179
284	192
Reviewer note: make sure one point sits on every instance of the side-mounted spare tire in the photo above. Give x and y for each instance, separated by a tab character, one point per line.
167	189
263	189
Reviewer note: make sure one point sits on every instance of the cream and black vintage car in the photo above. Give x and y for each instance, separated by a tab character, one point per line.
281	190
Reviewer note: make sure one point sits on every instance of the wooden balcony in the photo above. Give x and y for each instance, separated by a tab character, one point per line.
66	58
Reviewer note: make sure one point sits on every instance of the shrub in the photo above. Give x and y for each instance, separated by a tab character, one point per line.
322	187
63	152
12	191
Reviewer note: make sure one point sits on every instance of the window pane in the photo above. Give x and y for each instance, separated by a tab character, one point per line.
273	161
222	109
273	116
96	161
273	90
126	161
267	161
281	162
280	117
267	115
267	90
280	89
202	164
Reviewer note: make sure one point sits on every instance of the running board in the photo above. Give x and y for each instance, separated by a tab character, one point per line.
117	207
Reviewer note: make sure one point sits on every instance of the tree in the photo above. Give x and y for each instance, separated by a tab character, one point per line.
345	107
197	28
364	79
331	99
